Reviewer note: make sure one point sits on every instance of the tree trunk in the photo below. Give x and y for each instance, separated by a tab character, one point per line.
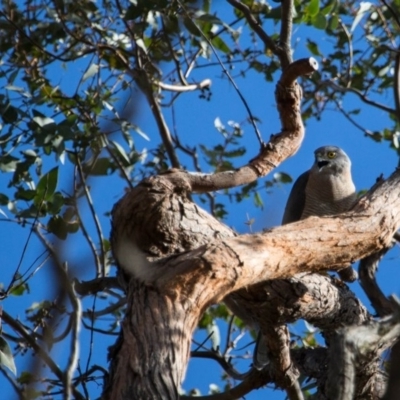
154	351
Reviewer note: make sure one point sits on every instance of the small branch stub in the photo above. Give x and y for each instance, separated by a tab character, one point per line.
304	66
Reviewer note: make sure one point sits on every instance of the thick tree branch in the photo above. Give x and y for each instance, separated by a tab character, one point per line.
286	31
353	344
181	287
367	270
322	300
315	244
280	146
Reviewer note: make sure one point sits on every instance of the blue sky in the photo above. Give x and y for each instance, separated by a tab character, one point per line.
195	122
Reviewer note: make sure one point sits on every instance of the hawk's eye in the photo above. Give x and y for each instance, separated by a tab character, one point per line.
331	154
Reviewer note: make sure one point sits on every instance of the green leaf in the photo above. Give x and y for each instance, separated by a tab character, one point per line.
313	8
319	21
191	27
313	47
212	19
58	226
19	289
282	177
258	200
219	44
25	194
120	152
99	166
273	13
54	206
47	185
329	7
6	357
333	22
25	378
31	212
73	227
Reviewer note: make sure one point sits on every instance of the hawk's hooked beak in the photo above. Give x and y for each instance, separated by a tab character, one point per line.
322	164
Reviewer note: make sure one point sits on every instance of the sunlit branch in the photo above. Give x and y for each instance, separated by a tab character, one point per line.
25	247
396	86
75	318
286	32
187	88
192	63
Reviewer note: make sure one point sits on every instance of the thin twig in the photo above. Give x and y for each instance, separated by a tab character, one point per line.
251	117
91	334
227	366
367	132
201	345
13	383
257	28
142	80
228	336
94	216
83	227
350	63
105	311
17	326
102	331
362	96
393	12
